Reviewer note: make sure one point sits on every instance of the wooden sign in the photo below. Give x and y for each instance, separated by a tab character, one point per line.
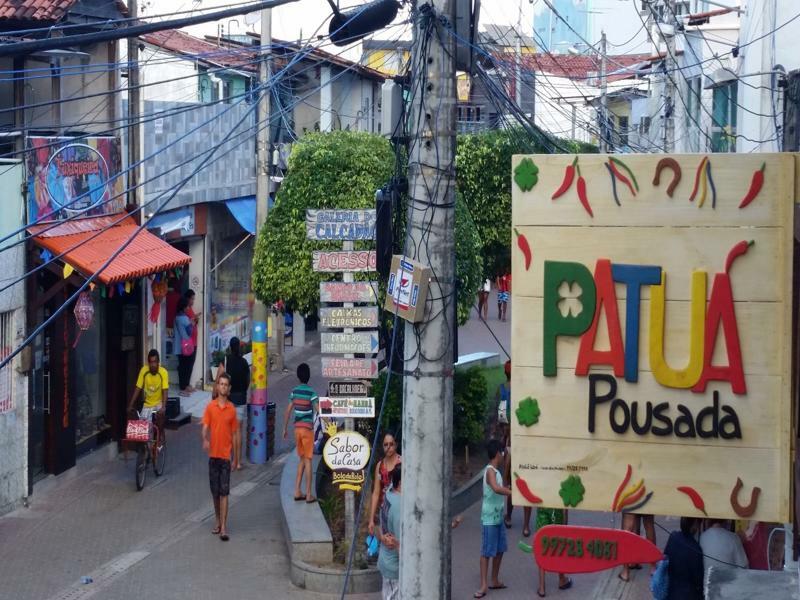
349	261
341	291
358	342
354	407
347	454
651	334
340	224
334	367
573	549
355	317
347	388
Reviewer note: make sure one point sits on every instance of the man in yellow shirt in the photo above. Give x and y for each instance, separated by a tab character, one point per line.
153	381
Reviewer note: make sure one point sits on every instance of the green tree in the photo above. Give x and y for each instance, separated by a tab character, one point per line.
338	170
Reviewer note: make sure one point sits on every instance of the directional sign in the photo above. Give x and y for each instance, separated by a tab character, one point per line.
347	388
355	317
334	367
352	261
340	224
340	291
358	342
351	407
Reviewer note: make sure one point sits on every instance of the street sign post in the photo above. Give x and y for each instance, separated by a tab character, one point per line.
356	317
344	291
357	342
340	224
334	367
347	388
353	261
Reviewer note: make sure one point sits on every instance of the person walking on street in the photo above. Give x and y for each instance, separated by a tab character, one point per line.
383	477
184	347
721	546
503	295
389	536
303	404
544	517
153	382
195	320
483	299
685	566
493	535
239	372
221	437
633	523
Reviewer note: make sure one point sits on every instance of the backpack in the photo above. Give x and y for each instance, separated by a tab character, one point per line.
659	582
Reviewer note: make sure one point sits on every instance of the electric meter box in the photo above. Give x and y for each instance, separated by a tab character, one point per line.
408	288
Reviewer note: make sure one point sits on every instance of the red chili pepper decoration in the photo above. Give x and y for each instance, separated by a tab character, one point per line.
696	499
697	178
737	251
619	163
622	487
526	492
522	244
632	499
622	177
755	186
582	193
569	177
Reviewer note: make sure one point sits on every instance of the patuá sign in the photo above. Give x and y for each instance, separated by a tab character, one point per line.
353	407
347	454
358	342
652	333
346	261
330	224
355	317
343	291
334	367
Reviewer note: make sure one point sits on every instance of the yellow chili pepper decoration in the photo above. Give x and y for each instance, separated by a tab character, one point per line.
630	492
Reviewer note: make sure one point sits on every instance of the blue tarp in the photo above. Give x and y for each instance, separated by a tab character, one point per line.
244	211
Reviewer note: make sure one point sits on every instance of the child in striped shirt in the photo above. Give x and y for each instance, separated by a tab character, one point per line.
303	405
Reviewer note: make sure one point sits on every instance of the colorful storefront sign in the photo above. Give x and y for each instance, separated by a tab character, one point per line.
358	342
334	367
329	224
73	176
341	291
345	261
353	407
354	317
652	355
347	454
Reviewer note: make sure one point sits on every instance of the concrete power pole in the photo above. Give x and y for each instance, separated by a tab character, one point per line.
604	129
257	412
425	562
134	110
668	33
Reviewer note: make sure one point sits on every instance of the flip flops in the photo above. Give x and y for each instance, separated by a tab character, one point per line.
567	585
224	537
502	586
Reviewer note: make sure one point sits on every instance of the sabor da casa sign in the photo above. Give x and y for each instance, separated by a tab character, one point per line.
347	455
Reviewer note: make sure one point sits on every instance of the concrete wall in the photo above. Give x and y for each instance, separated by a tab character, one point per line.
163	67
13	422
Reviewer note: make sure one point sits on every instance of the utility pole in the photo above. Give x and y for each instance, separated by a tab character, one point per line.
604	129
518	66
668	33
134	110
425	562
257	415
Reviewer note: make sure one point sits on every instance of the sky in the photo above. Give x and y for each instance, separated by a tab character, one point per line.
301	19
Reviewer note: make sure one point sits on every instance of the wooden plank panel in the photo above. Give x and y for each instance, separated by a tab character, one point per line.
545	462
758	323
679	251
565	408
652	205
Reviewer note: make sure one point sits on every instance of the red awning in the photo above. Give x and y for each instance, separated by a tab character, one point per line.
90	242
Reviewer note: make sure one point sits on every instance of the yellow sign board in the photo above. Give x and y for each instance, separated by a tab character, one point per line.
651	333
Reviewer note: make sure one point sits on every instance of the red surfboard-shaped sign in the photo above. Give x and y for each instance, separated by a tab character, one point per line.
574	549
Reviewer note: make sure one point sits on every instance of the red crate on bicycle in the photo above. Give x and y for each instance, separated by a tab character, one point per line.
139	430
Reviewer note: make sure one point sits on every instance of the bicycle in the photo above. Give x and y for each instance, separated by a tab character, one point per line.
152	450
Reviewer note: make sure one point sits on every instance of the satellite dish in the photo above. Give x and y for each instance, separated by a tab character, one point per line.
252	18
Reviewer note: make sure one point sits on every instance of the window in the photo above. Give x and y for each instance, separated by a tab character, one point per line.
723	127
6	397
623	130
693	99
227	90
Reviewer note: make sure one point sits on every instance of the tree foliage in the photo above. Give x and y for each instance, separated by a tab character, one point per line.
338	170
483	172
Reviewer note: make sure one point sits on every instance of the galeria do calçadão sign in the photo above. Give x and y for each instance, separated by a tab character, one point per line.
652	333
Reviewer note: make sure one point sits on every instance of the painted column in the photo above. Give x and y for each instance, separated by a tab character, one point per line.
257	408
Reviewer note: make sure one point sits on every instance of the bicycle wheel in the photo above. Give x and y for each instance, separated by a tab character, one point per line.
160	459
141	467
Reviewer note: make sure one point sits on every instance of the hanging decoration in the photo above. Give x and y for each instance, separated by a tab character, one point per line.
159	289
84	313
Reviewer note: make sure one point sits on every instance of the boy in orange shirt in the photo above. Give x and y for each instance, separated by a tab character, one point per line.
219	420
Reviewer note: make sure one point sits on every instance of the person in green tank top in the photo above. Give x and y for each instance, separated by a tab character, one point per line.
493	537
